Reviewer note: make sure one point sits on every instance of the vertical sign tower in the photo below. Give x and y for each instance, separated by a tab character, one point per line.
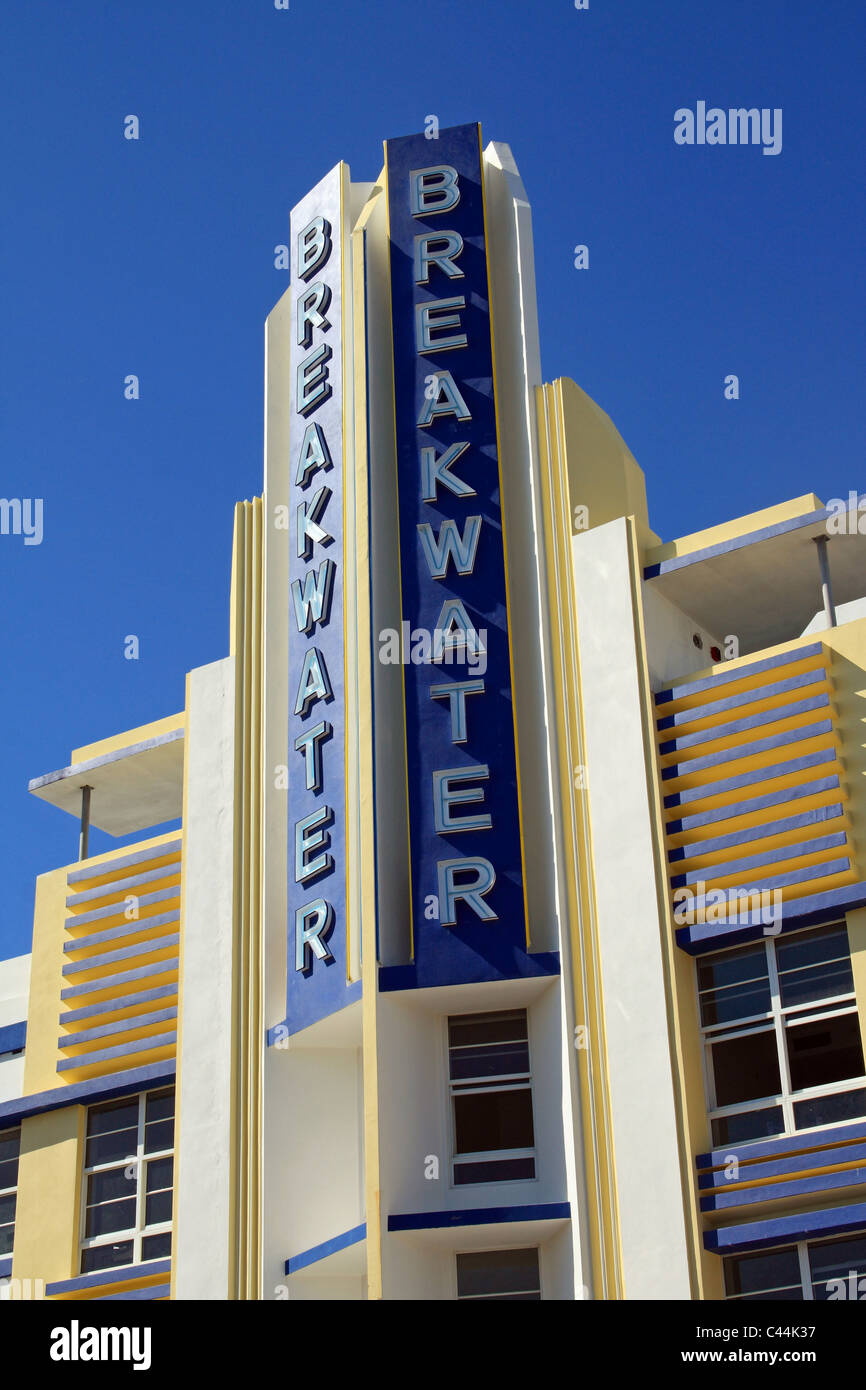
469	917
317	946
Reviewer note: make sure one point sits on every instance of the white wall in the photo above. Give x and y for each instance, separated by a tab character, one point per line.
646	1152
203	1145
14	1000
671	651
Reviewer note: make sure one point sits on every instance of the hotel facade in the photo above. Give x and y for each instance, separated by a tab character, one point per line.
508	936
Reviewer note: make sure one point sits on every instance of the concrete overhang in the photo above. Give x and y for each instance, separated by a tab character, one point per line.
137	779
764	584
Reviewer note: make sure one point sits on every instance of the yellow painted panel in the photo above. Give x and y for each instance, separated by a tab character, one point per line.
731	530
49	1178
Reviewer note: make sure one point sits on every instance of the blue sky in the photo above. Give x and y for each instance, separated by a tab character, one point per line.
156	258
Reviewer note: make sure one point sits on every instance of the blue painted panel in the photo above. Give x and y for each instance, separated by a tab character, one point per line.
13	1036
142	972
5	1267
459	379
797	1165
152	1291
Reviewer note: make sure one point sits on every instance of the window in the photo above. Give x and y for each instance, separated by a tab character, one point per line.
499	1276
10	1145
782	1036
819	1271
128	1176
491	1097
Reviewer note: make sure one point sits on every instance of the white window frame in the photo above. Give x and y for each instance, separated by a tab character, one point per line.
495	1250
139	1231
775	1020
8	1191
802	1248
498	1083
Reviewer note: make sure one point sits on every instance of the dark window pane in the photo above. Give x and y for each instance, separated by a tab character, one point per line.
10	1144
494	1170
156	1247
158	1208
113	1216
159	1136
7	1207
818	982
826	1050
751	1124
7	1234
838	1259
763	1272
109	1148
160	1172
501	1272
830	1110
118	1114
9	1173
746	1068
467	1030
107	1187
814	965
497	1120
160	1105
733	984
502	1059
106	1256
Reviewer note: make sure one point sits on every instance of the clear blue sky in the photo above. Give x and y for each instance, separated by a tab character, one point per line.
156	257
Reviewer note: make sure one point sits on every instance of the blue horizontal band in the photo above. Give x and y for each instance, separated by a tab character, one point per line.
540	963
123	885
141	924
782	1230
814	910
754	696
5	1266
478	1216
145	948
99	1278
99	1088
110	866
790	1143
743	725
738	673
113	1054
119	1003
794	1166
748	750
150	1291
755	776
160	967
327	1247
725	868
711	552
767	830
735	809
98	914
122	1025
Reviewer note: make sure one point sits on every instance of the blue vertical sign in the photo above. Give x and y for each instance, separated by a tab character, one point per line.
468	909
317	934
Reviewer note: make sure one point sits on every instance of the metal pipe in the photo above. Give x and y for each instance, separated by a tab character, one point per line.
84	834
826	586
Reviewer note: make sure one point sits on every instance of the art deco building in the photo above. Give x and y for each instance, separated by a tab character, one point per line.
508	936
